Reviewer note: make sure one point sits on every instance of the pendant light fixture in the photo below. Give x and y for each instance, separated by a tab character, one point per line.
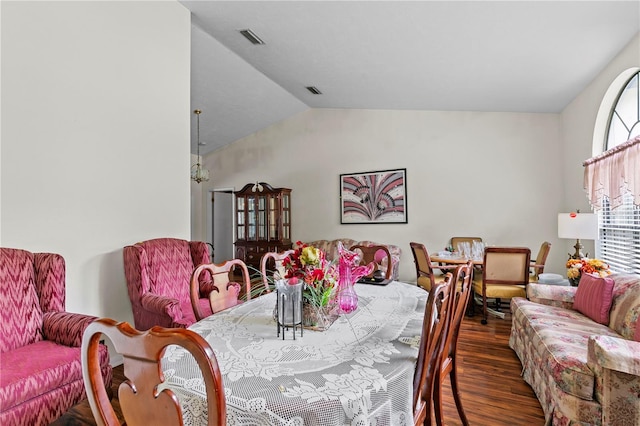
198	173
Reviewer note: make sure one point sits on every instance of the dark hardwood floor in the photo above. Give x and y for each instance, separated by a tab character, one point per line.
493	393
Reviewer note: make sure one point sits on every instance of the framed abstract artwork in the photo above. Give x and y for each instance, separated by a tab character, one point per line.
374	197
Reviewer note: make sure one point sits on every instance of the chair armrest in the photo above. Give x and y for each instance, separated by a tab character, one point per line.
552	295
444	268
536	267
616	365
65	328
161	305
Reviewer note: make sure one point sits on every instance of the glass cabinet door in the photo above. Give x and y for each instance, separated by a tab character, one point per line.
262	218
286	217
251	218
240	205
273	222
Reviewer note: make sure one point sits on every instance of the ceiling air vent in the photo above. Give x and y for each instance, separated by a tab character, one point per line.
251	36
314	90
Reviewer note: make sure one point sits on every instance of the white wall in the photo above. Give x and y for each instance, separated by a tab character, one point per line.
495	175
198	204
95	136
578	121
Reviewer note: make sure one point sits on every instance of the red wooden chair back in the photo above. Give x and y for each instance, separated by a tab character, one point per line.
140	401
276	259
224	292
430	352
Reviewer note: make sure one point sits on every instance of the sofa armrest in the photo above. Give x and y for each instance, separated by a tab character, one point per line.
552	295
161	305
65	328
615	353
616	365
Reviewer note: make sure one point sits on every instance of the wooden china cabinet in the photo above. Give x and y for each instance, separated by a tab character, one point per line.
263	221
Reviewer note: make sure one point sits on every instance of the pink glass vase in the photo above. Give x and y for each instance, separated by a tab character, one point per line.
347	298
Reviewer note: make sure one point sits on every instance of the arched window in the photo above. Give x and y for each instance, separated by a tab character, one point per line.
624	119
619	228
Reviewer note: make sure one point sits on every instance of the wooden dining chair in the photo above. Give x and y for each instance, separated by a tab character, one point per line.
505	275
380	255
455	240
430	352
462	279
425	276
537	264
274	260
141	401
224	292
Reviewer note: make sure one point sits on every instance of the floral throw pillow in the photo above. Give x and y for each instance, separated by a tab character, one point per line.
593	298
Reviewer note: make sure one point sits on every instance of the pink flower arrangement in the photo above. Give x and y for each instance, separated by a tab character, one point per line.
320	276
310	264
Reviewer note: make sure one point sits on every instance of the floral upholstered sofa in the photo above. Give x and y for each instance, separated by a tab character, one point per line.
330	247
583	372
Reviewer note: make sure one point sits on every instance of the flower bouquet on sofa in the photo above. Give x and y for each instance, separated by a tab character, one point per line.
576	267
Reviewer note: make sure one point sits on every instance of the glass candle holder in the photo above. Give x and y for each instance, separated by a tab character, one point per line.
289	307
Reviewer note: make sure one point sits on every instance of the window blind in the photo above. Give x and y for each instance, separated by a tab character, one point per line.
619	243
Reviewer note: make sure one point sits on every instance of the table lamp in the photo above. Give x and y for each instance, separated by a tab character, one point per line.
579	226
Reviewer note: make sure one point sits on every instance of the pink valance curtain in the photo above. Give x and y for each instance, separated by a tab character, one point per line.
614	173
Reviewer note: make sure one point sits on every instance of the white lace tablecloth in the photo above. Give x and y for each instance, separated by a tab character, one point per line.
358	372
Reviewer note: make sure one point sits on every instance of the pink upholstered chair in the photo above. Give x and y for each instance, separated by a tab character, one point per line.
41	368
158	273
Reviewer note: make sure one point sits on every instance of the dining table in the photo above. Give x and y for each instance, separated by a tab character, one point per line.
455	259
358	371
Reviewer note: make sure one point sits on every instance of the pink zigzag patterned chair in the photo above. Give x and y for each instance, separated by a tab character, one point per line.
158	273
41	367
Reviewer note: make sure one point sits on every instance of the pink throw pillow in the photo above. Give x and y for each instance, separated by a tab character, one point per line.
593	298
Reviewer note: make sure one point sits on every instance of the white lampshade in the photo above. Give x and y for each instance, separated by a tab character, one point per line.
578	226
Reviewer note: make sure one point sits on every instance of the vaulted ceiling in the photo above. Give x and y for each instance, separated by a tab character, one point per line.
502	56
